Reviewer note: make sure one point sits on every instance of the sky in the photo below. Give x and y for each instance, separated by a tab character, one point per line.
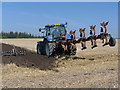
30	16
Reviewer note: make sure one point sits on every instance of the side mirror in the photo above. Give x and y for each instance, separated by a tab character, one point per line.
40	30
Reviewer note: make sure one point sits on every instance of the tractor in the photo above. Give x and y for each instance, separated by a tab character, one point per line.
58	42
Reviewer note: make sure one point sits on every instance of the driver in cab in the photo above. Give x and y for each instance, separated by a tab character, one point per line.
56	33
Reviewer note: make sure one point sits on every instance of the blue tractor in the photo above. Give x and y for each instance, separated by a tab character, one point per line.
56	41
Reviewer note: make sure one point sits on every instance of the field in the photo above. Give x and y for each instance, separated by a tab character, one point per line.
91	68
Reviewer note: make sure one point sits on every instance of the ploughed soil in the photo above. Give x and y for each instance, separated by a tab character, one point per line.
84	70
30	59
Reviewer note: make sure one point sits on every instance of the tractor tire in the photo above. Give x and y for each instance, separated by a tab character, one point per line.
112	42
50	48
38	49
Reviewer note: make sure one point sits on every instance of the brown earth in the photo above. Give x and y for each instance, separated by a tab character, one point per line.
88	69
29	60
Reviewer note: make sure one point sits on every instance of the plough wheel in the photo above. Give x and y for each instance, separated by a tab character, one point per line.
49	48
112	41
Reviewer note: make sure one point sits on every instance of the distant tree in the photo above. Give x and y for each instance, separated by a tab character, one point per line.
11	34
16	34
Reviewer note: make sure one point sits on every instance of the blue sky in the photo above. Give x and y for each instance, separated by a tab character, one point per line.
30	16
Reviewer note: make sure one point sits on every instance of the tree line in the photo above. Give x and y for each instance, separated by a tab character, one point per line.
17	35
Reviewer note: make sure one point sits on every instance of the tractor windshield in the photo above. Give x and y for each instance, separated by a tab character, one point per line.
56	31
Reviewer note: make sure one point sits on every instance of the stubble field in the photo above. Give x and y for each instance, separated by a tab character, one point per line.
91	68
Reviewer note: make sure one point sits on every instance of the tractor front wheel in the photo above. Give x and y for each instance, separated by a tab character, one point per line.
38	49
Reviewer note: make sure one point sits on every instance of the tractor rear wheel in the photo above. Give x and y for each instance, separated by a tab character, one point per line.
49	48
112	41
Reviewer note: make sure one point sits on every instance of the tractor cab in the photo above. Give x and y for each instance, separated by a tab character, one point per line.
54	31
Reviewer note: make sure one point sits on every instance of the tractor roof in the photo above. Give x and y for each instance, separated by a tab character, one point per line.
55	25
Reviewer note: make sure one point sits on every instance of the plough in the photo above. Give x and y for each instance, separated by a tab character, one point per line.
94	37
58	42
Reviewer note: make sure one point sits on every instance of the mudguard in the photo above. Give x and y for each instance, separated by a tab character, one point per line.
49	38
